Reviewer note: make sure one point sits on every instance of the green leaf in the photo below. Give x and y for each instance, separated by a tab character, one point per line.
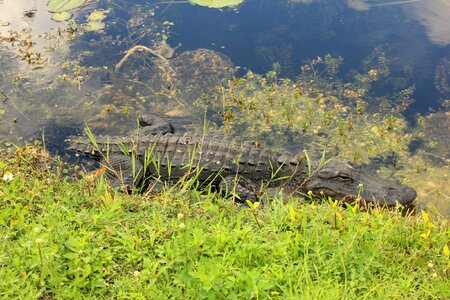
94	26
97	15
292	213
252	205
249	203
217	3
70	255
425	217
61	16
63	5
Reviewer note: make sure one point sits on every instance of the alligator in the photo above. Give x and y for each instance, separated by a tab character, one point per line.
241	168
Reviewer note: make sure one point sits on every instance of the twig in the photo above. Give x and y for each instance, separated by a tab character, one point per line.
136	48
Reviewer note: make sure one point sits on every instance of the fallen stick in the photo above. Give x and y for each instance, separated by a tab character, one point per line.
136	48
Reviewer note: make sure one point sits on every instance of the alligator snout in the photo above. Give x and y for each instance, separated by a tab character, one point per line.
390	195
402	194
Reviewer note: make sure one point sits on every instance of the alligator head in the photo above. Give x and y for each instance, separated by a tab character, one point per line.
343	181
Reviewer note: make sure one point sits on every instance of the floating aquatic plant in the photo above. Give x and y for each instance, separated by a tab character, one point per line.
97	15
56	6
217	3
210	3
94	26
61	16
95	19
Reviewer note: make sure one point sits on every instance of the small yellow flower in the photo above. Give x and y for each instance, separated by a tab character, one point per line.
182	225
180	216
136	274
8	176
274	293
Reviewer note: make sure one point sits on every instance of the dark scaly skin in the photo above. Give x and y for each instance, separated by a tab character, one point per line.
234	165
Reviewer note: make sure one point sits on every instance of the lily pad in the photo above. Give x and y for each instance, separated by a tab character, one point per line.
61	16
217	3
94	26
63	5
97	15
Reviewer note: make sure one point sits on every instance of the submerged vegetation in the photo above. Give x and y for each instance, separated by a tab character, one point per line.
65	238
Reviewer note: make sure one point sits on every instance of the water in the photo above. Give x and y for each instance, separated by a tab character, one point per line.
414	39
58	80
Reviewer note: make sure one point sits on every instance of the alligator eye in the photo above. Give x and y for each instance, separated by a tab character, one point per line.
344	177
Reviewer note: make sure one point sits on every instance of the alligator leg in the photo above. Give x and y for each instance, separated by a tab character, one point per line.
153	124
123	171
243	189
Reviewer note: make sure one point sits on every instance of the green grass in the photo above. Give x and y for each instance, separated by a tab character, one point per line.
74	238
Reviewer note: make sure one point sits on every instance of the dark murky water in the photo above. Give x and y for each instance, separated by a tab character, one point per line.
57	77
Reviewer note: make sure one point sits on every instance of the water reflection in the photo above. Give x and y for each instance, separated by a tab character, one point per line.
17	15
434	15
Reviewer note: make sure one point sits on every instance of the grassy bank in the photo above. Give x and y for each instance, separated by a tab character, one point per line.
66	238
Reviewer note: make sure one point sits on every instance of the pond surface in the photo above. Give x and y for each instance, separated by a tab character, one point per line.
367	80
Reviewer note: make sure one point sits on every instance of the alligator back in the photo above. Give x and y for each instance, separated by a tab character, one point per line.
173	154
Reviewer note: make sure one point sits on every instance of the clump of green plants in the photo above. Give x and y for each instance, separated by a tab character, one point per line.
74	237
317	110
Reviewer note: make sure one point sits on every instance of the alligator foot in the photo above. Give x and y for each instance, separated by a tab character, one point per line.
240	188
123	171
